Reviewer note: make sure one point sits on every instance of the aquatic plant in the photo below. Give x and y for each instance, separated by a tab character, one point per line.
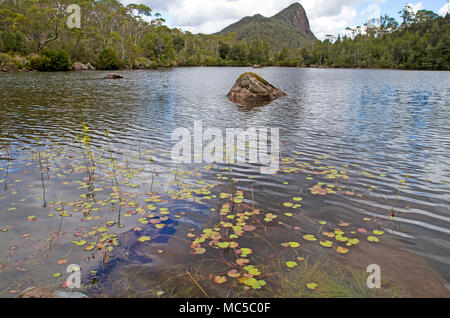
6	149
84	140
241	249
402	184
41	170
114	175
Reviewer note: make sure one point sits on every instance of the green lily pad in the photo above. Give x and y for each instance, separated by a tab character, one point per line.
291	264
143	239
223	244
309	237
326	243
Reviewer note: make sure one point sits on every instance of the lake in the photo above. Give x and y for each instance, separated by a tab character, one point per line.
364	166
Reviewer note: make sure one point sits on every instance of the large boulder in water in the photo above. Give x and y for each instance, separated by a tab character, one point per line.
250	87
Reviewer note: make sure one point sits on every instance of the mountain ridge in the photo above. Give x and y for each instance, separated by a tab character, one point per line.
288	28
295	15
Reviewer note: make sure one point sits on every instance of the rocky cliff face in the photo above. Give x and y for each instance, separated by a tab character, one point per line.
295	15
289	28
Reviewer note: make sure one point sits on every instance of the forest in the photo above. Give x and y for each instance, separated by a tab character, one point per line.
34	36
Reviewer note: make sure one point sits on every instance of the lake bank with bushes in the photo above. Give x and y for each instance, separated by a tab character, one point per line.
59	61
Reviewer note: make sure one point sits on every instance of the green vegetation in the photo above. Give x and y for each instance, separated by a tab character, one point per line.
12	62
421	41
329	279
51	61
34	35
107	60
262	80
275	33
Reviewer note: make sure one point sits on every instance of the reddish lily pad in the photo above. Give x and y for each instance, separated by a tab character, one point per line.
220	280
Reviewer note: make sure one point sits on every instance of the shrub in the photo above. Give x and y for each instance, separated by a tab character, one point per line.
210	61
142	63
39	63
107	60
51	61
12	62
289	63
59	60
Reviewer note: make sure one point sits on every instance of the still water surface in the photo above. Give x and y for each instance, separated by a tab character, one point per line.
377	125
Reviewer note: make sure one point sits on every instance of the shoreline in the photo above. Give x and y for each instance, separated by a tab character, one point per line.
230	66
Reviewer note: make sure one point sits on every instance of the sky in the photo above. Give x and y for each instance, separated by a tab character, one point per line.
325	16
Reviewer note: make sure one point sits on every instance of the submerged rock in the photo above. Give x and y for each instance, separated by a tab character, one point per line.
63	294
112	76
37	292
40	292
250	87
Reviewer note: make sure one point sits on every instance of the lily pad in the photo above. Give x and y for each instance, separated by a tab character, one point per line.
249	228
242	261
233	273
220	280
341	238
223	244
198	251
309	237
373	239
143	239
326	243
291	264
342	250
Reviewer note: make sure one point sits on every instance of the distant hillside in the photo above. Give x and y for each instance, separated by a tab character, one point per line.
289	28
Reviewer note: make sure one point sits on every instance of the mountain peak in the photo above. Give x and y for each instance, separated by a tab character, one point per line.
295	5
258	16
289	28
295	15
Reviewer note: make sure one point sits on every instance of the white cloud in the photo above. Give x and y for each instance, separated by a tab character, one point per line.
209	16
444	10
323	25
416	7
